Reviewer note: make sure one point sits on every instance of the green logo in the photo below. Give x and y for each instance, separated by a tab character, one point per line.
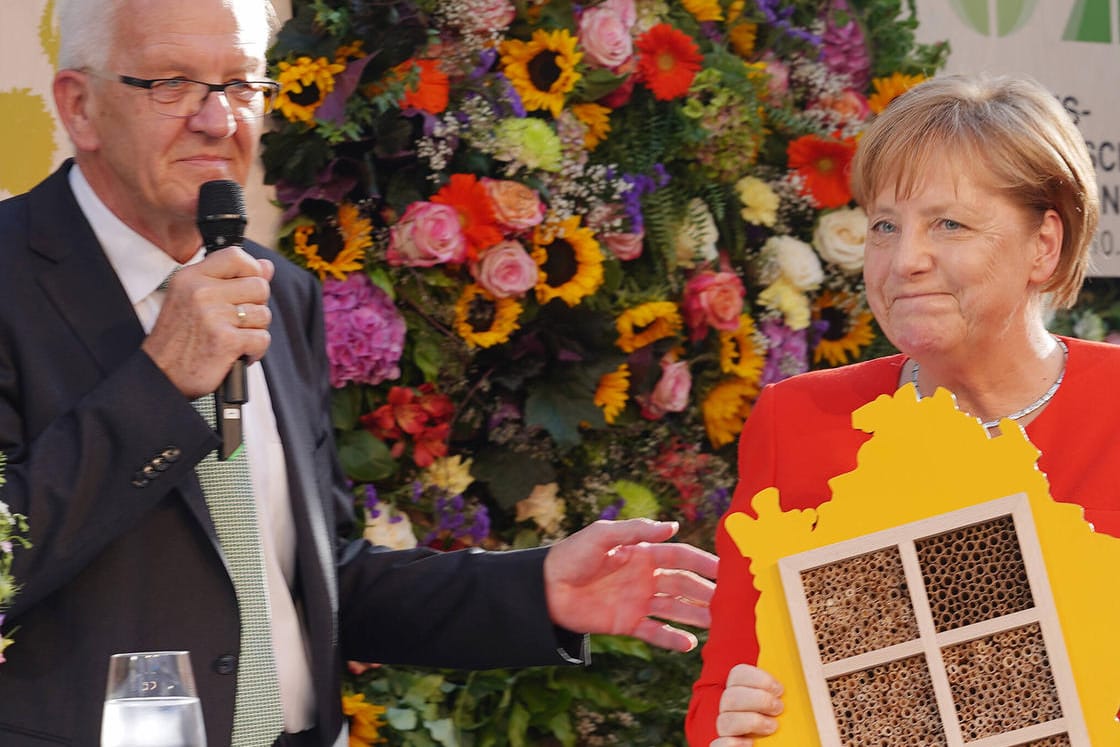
995	17
1090	21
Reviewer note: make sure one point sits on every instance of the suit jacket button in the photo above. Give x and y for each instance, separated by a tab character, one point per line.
171	454
225	664
139	481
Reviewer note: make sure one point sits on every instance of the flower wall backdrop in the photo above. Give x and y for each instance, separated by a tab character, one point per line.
562	248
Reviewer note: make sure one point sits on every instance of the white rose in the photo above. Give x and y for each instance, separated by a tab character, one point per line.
797	261
697	235
840	237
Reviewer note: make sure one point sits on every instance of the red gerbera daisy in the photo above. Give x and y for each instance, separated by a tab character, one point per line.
823	164
470	199
668	61
430	93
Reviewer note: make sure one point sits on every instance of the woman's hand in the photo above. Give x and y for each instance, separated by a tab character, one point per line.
748	708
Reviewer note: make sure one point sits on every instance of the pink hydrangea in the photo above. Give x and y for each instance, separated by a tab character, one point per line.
365	332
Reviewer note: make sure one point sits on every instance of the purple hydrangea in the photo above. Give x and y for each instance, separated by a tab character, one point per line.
365	332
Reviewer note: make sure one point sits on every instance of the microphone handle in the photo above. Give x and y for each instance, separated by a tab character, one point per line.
233	392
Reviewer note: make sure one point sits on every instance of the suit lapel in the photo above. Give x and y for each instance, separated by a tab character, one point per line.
76	276
81	284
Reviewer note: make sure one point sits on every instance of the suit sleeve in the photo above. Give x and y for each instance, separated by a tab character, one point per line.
466	609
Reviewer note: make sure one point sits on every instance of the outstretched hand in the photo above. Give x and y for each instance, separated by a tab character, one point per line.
622	578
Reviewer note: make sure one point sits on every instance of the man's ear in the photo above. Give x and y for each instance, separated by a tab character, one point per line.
74	101
1048	247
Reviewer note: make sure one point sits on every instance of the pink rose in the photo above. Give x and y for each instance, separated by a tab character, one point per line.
605	37
624	245
626	10
713	299
506	269
516	206
427	234
671	391
849	105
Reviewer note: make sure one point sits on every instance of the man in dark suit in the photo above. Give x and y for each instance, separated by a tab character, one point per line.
99	364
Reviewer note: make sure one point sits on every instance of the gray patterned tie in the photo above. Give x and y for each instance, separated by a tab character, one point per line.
257	717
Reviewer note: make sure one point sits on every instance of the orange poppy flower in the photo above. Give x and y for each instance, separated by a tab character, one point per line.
431	92
824	164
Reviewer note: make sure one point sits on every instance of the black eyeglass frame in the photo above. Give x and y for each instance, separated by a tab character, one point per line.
269	88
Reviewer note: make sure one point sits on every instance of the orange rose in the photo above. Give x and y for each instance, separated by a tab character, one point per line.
516	206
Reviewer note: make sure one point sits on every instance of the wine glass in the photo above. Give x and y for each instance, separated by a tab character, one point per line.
151	701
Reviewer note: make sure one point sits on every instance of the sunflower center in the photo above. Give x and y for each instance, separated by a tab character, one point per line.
543	70
330	244
481	314
561	265
837	321
308	96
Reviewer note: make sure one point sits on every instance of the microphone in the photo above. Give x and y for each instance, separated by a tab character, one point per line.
221	221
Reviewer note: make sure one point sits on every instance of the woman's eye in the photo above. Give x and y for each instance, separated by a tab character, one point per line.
884	226
951	224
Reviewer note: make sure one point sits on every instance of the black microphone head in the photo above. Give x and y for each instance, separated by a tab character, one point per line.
221	214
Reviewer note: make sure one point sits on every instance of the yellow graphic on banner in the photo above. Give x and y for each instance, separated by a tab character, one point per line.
27	129
926	458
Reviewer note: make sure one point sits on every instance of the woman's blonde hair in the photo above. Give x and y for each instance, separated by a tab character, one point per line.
1010	127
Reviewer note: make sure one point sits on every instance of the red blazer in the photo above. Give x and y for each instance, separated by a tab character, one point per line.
799	435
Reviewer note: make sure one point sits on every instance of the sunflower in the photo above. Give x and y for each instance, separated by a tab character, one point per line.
613	392
303	86
365	720
848	327
543	69
704	10
570	259
465	193
669	60
743	36
726	408
823	163
739	352
646	324
350	51
338	249
483	320
889	88
596	120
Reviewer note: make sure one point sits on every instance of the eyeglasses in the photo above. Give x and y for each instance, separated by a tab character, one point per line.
181	97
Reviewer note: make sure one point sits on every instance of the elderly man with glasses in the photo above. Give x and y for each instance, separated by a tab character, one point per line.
100	361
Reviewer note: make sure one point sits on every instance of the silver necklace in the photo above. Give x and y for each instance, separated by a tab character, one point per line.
1046	396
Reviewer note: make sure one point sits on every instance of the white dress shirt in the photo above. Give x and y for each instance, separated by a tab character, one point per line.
141	267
